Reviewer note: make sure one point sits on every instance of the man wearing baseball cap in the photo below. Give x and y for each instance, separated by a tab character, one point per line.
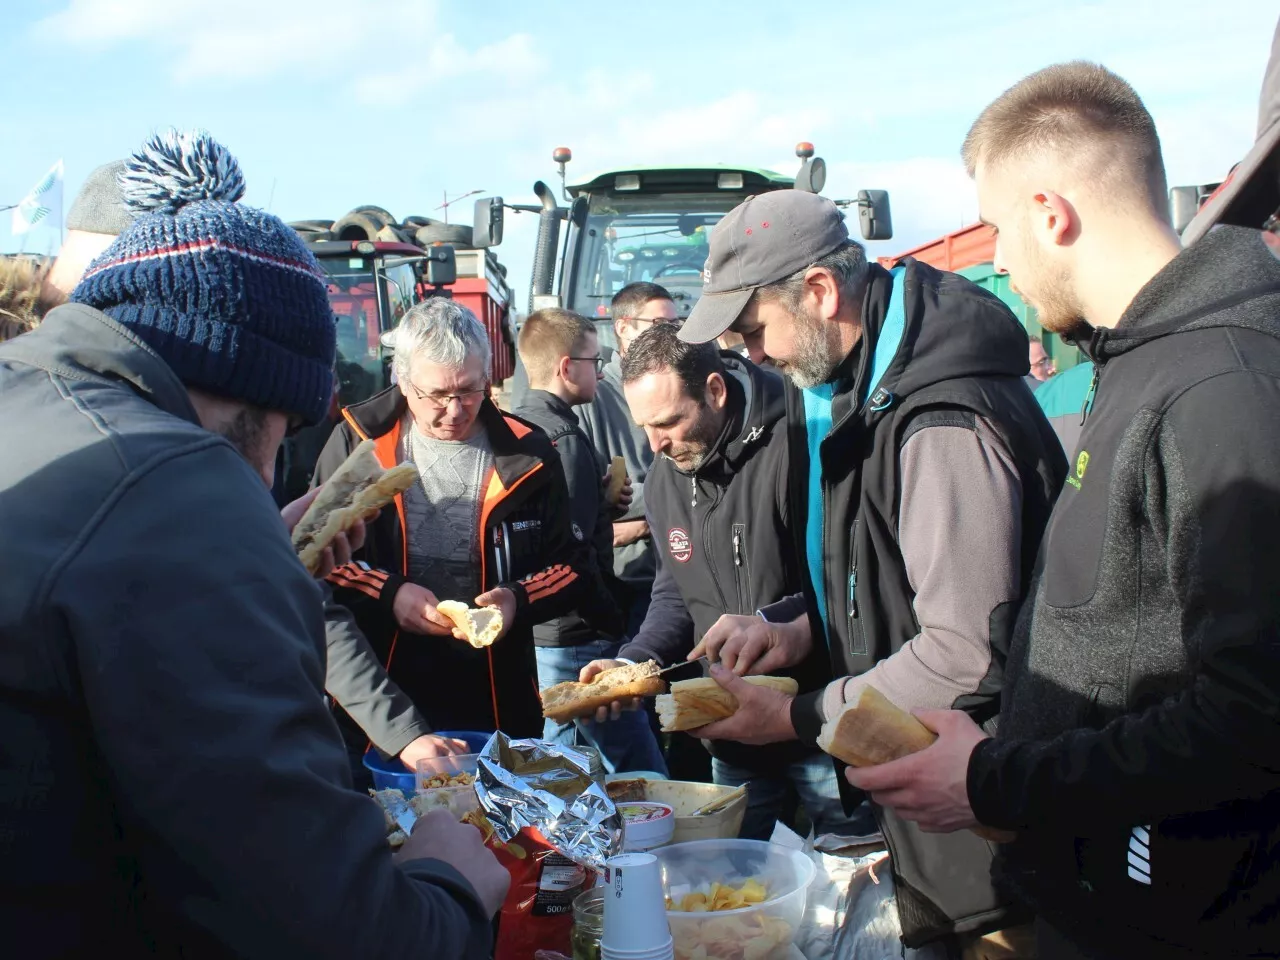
930	476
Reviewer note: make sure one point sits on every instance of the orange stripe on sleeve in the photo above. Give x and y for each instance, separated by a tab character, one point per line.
548	589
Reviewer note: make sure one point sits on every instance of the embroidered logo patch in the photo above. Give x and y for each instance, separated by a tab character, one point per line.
1082	464
679	545
577	533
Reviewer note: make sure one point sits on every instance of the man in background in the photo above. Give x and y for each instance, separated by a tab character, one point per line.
561	352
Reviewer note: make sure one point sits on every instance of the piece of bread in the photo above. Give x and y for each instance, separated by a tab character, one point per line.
617	477
872	730
565	701
481	625
358	487
695	703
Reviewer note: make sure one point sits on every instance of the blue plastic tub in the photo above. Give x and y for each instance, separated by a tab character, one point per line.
391	774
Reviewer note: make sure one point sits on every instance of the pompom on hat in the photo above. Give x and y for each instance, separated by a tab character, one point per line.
226	294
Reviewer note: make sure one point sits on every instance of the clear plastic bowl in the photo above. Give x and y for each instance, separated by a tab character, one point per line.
458	800
762	931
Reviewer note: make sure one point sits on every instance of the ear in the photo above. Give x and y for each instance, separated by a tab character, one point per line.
1056	217
821	289
562	368
619	326
717	391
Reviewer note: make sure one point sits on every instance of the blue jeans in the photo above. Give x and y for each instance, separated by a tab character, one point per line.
626	744
814	779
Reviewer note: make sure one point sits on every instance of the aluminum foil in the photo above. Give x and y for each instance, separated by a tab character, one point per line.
535	783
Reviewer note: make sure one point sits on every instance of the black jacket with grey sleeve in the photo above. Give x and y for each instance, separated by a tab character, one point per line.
1138	753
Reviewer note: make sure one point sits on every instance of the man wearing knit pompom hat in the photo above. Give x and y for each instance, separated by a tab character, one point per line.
172	781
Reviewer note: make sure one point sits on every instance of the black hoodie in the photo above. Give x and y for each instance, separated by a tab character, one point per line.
1138	754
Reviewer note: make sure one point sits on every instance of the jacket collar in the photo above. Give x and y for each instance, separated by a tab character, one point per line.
79	343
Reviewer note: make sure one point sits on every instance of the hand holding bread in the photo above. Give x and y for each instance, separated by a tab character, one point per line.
567	701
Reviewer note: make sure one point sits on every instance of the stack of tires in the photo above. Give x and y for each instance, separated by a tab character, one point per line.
374	223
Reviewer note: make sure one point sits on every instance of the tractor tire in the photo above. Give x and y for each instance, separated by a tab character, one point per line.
454	233
378	213
418	222
357	226
312	226
315	236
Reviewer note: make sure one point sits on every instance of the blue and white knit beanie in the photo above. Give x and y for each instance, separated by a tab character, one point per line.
226	294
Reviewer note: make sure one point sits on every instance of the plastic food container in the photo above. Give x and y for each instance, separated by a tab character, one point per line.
458	799
762	931
391	774
645	825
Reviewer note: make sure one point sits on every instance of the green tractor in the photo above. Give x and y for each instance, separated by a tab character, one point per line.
646	223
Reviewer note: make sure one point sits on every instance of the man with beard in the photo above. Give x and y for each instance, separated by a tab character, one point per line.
718	505
1138	756
170	766
930	474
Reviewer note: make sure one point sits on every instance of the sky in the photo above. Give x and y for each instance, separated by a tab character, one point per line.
329	104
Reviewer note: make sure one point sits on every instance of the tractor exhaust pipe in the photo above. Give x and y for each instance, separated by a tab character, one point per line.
544	253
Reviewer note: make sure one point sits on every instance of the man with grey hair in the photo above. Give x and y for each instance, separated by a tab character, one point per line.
929	477
488	525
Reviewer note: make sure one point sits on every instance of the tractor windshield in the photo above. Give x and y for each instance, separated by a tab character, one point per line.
661	238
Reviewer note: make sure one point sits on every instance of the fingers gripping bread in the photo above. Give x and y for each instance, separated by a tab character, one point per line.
358	487
695	703
565	701
617	477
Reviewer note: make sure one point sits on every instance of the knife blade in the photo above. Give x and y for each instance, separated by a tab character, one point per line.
683	663
401	813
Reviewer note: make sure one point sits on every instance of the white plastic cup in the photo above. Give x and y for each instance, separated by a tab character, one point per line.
635	913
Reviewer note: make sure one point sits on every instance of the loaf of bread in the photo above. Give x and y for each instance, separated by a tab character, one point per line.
565	701
872	730
695	703
358	487
480	625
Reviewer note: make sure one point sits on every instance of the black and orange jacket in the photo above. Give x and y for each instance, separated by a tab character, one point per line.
526	545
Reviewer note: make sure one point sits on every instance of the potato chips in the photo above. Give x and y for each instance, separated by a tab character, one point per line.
751	936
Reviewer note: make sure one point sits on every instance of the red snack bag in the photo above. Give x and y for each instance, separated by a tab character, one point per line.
538	911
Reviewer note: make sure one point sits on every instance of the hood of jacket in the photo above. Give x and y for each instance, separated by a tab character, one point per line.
948	328
1219	281
80	343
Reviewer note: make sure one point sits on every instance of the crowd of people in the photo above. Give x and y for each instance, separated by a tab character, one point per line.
836	472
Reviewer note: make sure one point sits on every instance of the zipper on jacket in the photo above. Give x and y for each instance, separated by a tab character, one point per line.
741	572
693	485
707	540
857	640
1087	406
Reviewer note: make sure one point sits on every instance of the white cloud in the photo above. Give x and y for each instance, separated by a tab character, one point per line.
248	39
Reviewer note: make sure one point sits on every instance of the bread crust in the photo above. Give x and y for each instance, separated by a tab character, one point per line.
358	487
567	701
695	703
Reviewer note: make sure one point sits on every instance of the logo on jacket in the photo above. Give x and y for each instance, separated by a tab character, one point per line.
577	532
521	525
1082	464
679	544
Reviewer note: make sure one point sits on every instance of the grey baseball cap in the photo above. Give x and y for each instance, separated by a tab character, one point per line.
99	206
762	240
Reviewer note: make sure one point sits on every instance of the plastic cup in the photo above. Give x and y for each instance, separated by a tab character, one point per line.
635	911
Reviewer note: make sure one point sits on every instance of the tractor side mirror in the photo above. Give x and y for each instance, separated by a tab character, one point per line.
441	267
874	219
489	218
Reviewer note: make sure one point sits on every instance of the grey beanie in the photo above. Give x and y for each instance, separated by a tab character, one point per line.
99	206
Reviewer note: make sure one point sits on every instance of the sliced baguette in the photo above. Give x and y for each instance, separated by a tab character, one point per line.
872	730
481	625
565	701
695	703
358	487
617	477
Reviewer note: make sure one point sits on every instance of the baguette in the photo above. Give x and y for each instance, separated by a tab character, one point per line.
480	625
872	730
617	478
695	703
358	487
565	701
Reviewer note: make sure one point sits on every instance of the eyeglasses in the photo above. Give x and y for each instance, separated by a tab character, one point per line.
597	362
441	401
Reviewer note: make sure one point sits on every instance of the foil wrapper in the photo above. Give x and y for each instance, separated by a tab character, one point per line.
546	786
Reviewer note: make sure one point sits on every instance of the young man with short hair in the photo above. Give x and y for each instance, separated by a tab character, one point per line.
1138	751
561	352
